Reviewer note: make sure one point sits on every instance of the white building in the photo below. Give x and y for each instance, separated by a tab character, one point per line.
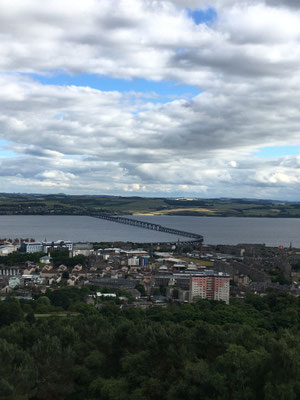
7	249
45	259
35	247
31	247
134	261
58	244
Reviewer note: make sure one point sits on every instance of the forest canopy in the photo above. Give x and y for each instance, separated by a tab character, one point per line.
249	349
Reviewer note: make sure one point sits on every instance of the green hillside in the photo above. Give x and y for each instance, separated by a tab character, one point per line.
82	205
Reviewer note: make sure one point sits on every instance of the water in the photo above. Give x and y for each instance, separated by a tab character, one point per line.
216	230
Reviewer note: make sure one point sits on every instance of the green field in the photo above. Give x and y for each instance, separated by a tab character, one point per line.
20	204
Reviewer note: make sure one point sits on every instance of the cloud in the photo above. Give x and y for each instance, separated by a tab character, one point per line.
246	64
284	3
153	40
198	4
104	142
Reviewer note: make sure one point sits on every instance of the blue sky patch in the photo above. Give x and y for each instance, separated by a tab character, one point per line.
4	149
166	90
278	151
204	16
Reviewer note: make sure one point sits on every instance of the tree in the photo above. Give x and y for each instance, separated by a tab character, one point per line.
65	275
10	311
30	318
141	289
109	389
17	371
54	364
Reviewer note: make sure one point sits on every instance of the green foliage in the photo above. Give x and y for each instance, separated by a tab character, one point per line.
61	256
277	276
10	311
17	372
249	350
65	275
17	258
65	297
30	318
141	289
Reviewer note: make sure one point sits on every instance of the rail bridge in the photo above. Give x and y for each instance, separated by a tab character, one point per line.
150	225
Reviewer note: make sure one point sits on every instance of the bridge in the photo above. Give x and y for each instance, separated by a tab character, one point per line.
150	225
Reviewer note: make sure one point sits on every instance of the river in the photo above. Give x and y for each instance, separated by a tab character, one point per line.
216	230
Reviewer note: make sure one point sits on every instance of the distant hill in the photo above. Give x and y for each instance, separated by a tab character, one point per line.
62	204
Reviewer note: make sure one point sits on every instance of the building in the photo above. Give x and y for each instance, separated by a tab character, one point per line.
7	249
31	247
205	284
82	248
136	253
10	271
134	261
36	247
58	245
124	284
14	281
210	285
45	259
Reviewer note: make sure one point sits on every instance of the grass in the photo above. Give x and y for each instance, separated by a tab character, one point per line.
57	314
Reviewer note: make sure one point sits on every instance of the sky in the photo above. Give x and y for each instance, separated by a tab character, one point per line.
177	98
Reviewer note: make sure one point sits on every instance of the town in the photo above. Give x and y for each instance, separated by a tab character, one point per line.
144	275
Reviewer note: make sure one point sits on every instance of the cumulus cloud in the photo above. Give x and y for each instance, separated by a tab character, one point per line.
246	64
284	3
196	4
148	39
104	142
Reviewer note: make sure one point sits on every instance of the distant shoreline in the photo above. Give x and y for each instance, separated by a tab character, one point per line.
161	215
213	215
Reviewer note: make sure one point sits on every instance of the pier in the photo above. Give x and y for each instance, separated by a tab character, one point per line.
150	225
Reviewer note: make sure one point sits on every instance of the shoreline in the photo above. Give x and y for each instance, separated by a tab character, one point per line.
157	215
215	216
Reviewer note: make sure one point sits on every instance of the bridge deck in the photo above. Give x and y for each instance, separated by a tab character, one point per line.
150	225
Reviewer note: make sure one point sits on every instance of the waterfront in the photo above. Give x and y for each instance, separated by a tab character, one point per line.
216	230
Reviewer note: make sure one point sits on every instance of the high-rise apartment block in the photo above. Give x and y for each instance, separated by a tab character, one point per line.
210	285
